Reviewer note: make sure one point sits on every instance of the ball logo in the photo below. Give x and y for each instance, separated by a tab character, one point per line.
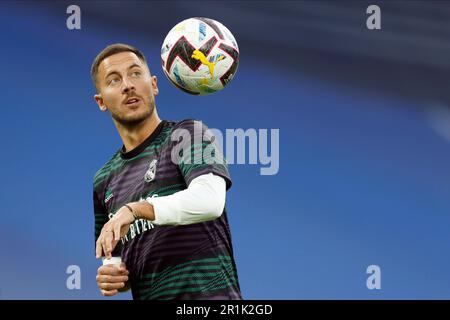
198	55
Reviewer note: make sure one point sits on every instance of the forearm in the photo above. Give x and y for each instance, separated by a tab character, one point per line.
143	210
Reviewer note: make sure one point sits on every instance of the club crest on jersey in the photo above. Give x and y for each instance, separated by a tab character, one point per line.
151	171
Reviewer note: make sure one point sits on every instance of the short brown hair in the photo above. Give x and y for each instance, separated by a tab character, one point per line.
109	51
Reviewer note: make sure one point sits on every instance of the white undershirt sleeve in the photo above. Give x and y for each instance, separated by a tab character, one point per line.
203	200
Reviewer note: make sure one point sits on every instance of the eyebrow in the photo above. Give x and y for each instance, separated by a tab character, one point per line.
115	72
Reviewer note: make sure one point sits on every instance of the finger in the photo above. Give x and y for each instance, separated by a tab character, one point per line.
110	270
107	293
104	270
113	243
120	277
111	279
108	244
111	286
123	270
98	248
105	252
117	228
123	267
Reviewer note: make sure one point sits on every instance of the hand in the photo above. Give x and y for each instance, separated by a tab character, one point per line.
110	279
112	231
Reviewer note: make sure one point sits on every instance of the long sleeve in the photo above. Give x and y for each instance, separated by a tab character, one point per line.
203	200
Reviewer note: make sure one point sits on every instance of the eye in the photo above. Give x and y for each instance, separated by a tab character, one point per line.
113	81
135	73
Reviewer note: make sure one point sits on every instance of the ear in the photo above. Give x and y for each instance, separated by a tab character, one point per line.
155	85
98	98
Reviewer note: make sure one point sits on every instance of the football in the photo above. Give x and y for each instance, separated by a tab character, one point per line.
199	56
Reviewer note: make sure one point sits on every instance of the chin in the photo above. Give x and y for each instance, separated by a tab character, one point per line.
134	119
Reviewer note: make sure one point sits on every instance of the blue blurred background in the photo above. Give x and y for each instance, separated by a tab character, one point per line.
364	123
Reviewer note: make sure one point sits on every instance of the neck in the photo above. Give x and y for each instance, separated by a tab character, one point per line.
135	135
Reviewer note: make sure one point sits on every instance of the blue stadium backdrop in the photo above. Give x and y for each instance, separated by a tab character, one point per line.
364	122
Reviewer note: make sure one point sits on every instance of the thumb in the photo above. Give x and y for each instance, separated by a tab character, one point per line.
122	267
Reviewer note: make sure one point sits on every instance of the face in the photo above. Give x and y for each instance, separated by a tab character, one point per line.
126	88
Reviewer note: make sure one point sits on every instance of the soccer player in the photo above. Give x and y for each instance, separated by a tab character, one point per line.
164	215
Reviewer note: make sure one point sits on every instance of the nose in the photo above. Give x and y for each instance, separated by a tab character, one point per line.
127	86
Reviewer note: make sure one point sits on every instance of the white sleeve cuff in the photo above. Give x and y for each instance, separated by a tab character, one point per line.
203	200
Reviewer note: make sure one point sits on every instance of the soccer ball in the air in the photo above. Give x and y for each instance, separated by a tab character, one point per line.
200	56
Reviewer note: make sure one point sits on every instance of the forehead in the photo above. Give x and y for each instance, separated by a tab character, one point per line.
118	62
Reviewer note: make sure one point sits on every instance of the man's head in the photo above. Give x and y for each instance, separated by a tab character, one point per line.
124	84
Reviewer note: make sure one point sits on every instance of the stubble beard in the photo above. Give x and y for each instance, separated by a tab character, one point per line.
134	120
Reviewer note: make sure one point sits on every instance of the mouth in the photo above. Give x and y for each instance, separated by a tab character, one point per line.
132	101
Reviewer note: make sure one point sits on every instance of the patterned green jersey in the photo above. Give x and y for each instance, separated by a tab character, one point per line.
168	262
